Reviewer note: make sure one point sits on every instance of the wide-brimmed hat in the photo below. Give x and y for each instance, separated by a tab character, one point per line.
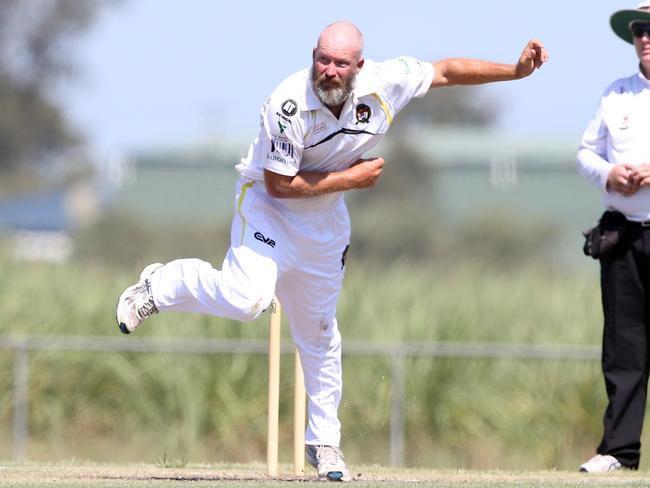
621	20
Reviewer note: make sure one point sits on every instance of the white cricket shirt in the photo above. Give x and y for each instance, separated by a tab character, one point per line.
298	133
619	133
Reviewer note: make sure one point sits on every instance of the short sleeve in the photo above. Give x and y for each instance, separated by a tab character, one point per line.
283	144
405	78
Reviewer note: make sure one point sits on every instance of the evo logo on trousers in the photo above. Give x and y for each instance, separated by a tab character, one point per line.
260	237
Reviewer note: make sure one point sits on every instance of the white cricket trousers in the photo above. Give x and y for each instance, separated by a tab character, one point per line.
299	256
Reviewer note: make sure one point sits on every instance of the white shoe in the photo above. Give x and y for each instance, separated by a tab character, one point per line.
601	464
136	303
329	462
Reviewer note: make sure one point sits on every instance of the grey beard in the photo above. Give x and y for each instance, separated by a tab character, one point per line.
334	96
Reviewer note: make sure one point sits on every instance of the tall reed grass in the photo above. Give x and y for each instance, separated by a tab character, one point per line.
460	413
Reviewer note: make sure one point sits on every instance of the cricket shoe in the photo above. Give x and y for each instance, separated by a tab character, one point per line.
136	302
328	460
601	464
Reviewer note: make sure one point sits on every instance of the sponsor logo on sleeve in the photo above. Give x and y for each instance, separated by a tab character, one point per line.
405	65
625	123
289	108
282	146
284	117
282	151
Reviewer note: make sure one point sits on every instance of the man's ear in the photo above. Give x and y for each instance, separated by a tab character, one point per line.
360	64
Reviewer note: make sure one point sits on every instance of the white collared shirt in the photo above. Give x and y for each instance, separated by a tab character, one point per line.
619	133
298	133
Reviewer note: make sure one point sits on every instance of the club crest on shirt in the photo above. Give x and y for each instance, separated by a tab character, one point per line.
625	123
320	127
363	113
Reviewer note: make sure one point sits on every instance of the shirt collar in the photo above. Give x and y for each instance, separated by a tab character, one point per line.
366	82
644	80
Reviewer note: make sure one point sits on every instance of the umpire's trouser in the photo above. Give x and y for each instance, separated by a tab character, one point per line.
625	285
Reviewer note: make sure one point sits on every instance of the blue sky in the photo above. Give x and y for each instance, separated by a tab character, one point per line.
166	73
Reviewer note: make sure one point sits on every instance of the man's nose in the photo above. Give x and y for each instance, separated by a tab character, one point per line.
331	70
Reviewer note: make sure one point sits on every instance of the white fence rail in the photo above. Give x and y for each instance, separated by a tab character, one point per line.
397	352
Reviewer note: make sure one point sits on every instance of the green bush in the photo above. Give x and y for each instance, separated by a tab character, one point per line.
460	413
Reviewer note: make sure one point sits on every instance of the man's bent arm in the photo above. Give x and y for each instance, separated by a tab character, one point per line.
458	71
362	174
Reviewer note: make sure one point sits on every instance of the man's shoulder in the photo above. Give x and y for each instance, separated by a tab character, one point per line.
293	89
401	65
395	71
294	81
621	86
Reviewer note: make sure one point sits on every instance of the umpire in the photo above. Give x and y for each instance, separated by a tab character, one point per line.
615	157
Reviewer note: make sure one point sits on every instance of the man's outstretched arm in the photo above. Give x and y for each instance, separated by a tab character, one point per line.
459	71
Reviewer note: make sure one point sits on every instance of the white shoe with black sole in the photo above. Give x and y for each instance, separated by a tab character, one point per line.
136	303
329	462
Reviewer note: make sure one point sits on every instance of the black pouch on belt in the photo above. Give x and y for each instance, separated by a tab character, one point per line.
603	238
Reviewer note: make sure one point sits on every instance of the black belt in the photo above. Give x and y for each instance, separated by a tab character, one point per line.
645	223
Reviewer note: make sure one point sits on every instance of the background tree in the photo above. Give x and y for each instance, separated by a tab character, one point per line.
36	40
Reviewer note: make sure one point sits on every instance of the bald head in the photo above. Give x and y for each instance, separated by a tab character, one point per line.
342	37
337	58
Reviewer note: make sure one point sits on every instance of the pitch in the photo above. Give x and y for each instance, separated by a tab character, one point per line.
252	476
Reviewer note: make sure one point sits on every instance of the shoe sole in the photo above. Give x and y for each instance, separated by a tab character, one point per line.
122	325
335	476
